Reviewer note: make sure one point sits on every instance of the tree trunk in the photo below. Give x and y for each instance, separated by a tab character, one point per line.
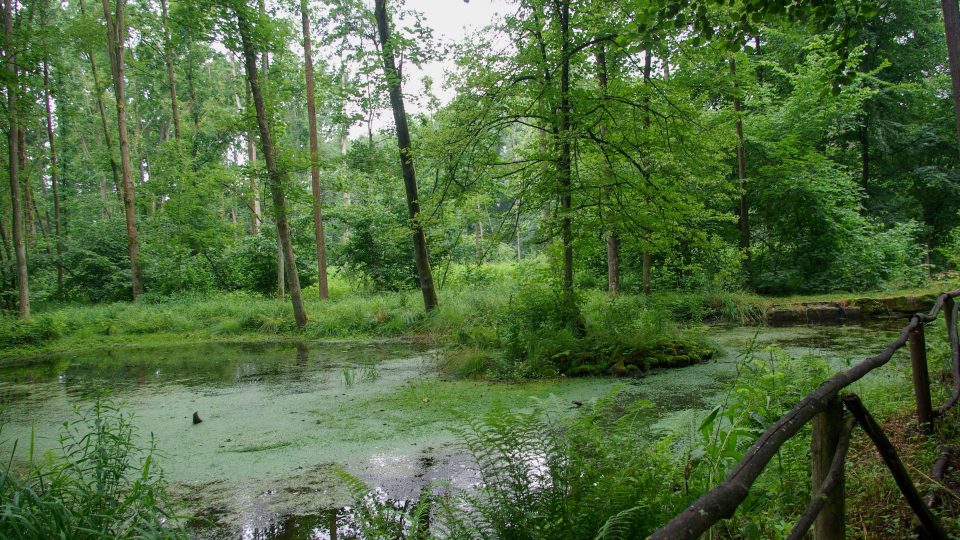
613	239
519	250
104	198
741	172
281	287
171	80
5	239
256	219
13	141
345	129
101	108
138	143
194	107
951	24
864	154
30	224
421	256
314	158
251	161
116	34
276	176
344	140
564	157
647	258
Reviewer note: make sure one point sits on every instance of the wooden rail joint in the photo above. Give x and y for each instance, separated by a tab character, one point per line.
723	500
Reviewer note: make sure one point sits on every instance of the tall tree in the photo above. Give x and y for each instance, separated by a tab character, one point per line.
104	123
744	212
421	256
647	262
116	37
613	239
564	135
277	175
168	60
13	158
54	173
251	146
951	25
314	156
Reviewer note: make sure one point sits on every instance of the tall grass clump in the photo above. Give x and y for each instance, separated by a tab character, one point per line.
529	330
102	485
545	475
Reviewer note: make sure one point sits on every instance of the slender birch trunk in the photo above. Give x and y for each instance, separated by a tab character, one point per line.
276	176
421	256
314	157
116	33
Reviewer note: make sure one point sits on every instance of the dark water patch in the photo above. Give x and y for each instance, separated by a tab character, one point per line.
204	365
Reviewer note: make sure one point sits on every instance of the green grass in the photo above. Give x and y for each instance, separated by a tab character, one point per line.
102	484
224	317
501	320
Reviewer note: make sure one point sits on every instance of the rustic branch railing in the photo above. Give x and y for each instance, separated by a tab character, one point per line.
830	441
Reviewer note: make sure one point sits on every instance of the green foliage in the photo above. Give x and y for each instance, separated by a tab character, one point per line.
15	332
103	485
377	250
815	236
768	384
545	475
951	248
97	259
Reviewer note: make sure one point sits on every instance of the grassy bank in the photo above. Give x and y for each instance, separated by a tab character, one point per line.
482	328
501	320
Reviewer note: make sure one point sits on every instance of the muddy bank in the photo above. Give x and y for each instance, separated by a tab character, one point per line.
855	310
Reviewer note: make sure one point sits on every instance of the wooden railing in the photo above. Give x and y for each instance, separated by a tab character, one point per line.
832	428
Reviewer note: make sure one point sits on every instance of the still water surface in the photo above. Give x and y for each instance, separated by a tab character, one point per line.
280	420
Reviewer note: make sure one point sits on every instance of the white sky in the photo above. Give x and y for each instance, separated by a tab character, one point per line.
450	20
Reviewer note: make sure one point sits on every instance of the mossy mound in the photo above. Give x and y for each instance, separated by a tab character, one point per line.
631	361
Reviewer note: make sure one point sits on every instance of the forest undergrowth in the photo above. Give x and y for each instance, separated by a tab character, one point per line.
606	473
504	321
601	472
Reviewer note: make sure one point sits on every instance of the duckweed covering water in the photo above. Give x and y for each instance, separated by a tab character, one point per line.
280	420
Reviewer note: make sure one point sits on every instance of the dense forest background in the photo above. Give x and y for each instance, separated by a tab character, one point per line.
157	148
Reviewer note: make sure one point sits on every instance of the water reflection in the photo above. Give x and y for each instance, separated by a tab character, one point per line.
205	365
328	525
272	412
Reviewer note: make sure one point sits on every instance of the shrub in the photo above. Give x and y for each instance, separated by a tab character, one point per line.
546	475
104	485
35	331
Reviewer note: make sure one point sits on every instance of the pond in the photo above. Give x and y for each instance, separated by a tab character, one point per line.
281	420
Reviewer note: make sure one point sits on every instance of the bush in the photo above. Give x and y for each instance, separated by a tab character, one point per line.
592	476
104	485
98	258
379	249
36	331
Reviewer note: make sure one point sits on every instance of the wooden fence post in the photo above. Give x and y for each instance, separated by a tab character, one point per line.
921	378
932	527
827	428
950	317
